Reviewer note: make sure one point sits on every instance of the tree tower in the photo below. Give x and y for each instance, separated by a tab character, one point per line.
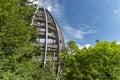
49	36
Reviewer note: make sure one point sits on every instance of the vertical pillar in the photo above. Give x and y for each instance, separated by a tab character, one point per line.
46	37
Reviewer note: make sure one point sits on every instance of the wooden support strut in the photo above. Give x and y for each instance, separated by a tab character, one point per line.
45	52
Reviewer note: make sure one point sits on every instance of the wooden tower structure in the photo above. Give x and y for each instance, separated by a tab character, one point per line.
49	36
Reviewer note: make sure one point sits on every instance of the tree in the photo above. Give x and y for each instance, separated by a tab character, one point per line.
72	47
16	50
101	62
17	60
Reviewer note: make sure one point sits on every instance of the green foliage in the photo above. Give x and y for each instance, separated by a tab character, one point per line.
72	47
16	51
101	62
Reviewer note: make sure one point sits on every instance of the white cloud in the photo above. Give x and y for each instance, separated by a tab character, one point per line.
84	46
74	33
53	6
117	12
33	1
118	42
49	8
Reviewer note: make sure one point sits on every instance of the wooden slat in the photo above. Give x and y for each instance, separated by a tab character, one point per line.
48	58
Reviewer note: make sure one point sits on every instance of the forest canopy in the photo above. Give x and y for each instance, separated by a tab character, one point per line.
101	62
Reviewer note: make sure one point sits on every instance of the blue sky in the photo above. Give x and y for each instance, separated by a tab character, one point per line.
85	21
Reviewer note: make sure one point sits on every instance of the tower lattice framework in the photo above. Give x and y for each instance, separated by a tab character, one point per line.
49	36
